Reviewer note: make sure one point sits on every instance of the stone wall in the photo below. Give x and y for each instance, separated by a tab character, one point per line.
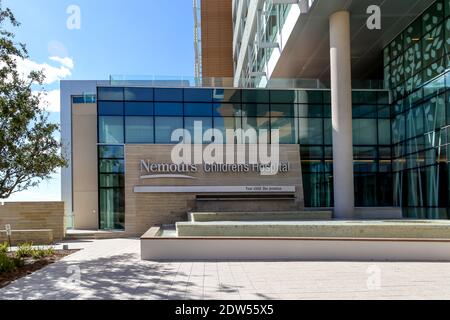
144	210
34	216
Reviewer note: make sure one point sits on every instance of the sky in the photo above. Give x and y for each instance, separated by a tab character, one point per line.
93	39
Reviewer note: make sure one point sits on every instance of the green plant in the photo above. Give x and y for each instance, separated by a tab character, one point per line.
6	263
25	250
4	247
49	252
40	253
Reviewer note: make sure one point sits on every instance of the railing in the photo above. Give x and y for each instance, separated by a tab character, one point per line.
274	83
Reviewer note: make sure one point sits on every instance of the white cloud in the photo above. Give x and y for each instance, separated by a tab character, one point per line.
51	101
67	62
52	73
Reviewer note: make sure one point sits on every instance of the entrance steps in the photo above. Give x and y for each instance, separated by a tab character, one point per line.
388	229
246	202
260	216
73	235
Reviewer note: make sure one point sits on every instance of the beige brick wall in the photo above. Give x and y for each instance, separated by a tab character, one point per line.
143	210
33	216
37	237
84	166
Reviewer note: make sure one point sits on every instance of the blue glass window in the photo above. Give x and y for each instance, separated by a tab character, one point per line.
255	110
227	123
168	109
227	95
283	96
139	108
110	130
284	110
197	95
138	94
110	108
164	127
197	109
111	152
110	93
255	96
139	129
310	110
206	123
112	166
226	109
169	95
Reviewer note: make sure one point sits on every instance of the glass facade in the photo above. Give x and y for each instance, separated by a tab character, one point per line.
416	65
111	168
149	116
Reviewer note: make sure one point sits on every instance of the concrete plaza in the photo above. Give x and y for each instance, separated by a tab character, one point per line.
112	269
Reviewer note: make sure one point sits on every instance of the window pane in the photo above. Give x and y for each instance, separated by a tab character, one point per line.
434	114
258	124
169	95
255	96
112	181
256	110
110	108
197	95
432	16
328	131
168	109
138	94
364	131
139	129
283	110
364	97
226	95
164	126
283	96
364	111
384	131
286	127
197	109
384	111
111	166
112	209
311	131
413	33
311	153
310	110
226	109
110	93
310	96
139	108
110	129
206	123
111	152
224	123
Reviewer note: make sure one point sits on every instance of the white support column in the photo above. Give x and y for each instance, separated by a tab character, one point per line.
341	100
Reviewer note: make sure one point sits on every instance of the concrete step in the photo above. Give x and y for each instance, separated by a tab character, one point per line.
93	235
260	216
418	229
246	204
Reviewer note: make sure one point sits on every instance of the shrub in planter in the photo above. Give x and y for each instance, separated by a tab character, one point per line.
6	263
4	247
25	250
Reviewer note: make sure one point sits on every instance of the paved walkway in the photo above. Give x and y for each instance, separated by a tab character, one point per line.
111	269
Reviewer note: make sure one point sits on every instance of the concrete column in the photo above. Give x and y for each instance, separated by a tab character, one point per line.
341	101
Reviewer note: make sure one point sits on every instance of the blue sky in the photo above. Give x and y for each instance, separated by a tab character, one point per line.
133	37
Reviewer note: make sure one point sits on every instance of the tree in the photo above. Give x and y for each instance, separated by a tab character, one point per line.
29	151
